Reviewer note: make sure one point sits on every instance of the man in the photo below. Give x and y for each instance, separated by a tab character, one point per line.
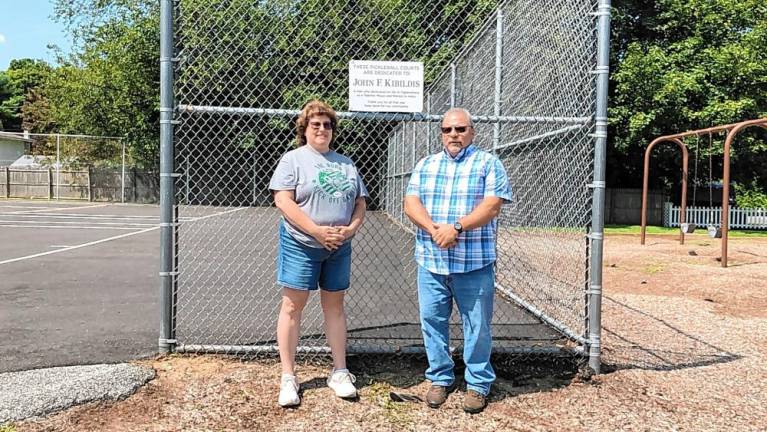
453	198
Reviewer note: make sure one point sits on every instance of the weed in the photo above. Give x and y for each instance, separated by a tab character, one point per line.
398	414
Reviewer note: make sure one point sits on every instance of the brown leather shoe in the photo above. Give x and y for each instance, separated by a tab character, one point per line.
474	402
437	395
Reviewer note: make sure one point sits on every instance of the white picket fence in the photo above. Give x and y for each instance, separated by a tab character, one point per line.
742	218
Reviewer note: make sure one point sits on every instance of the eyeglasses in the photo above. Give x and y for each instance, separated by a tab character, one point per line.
458	129
326	125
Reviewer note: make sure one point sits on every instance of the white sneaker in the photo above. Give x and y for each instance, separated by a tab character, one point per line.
288	391
342	382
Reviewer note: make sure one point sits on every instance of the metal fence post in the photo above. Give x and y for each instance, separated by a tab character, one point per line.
255	178
50	183
134	184
452	84
413	159
167	274
7	182
58	164
598	203
402	169
122	181
429	125
89	176
498	77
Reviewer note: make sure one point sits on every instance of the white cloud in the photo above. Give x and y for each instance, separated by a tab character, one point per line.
2	38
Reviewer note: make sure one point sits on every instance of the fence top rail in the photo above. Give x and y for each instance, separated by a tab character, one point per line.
22	134
415	117
21	169
45	169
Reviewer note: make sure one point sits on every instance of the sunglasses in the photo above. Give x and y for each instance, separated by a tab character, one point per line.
326	125
458	129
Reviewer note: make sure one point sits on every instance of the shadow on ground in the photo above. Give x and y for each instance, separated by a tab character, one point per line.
652	343
516	375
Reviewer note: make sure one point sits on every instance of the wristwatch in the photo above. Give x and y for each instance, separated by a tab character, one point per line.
458	227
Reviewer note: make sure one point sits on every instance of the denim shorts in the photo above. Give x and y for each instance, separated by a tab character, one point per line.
306	268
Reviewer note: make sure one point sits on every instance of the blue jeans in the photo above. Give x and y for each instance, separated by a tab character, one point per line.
473	292
305	268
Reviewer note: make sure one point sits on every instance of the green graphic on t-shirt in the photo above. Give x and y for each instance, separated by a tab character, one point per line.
332	181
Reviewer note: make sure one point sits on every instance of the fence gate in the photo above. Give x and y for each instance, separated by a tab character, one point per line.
235	74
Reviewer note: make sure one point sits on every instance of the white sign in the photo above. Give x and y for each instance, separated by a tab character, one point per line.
383	86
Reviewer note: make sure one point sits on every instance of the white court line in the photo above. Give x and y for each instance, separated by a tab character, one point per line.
69	227
55	208
77	246
69	248
85	216
82	216
70	223
217	214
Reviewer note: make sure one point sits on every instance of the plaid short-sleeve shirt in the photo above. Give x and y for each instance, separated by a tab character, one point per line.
450	188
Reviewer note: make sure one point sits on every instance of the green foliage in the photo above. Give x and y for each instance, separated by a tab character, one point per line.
110	85
9	102
17	83
750	196
280	54
275	54
681	65
677	65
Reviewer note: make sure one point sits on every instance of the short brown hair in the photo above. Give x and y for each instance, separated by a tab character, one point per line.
313	108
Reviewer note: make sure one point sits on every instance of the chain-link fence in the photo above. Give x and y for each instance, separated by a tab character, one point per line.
241	72
76	167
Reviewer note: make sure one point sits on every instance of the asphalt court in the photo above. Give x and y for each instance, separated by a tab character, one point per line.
79	283
30	228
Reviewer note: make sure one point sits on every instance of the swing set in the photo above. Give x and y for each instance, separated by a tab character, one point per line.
714	231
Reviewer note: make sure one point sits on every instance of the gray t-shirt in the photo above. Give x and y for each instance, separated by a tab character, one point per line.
326	187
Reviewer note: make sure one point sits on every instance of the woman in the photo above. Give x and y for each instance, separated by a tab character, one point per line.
322	200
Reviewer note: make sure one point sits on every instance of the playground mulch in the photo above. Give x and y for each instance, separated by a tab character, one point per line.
684	348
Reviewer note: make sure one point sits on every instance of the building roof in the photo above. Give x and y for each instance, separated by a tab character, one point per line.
35	161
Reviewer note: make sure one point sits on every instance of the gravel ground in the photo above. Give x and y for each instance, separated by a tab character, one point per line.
685	349
41	391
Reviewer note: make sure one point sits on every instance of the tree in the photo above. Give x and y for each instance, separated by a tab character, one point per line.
681	65
110	84
241	53
22	77
9	102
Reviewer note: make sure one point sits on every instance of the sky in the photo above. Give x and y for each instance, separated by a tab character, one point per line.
26	28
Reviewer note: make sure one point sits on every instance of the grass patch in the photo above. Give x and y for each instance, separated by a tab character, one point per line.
397	413
653	268
637	229
8	427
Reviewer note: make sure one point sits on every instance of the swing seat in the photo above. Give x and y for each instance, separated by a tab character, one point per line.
687	228
714	231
